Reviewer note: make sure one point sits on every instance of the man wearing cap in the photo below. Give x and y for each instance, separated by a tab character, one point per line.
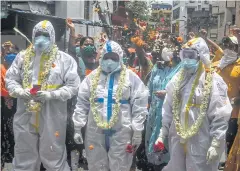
195	113
42	78
228	67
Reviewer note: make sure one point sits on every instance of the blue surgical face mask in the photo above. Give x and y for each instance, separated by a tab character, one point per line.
109	65
9	58
190	63
41	43
78	51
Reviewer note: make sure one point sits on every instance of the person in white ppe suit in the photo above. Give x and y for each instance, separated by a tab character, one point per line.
43	78
195	113
112	103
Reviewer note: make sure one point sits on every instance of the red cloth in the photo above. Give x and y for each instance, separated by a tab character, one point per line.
4	91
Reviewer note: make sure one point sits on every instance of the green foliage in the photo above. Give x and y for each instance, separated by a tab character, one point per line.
139	9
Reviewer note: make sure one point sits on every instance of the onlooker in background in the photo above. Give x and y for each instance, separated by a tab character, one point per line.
74	48
8	105
191	36
228	67
127	58
217	49
163	71
83	49
233	160
236	33
74	151
89	54
145	64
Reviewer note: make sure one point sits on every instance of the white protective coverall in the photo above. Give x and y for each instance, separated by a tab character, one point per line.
47	143
111	155
214	125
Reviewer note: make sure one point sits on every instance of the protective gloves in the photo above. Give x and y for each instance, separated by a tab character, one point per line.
44	96
78	137
162	136
136	139
21	93
214	151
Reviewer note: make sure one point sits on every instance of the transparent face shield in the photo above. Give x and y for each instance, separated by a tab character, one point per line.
190	58
189	54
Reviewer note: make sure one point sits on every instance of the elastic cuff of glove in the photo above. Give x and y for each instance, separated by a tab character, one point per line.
163	132
14	94
137	134
77	129
55	94
215	143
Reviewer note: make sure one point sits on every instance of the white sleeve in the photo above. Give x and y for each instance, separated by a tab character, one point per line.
139	102
167	115
220	108
13	76
71	80
81	111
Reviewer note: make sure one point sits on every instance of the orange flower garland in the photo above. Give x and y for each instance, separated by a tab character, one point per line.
138	41
180	39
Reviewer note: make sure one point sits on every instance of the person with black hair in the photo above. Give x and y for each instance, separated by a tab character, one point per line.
228	69
8	105
89	54
83	49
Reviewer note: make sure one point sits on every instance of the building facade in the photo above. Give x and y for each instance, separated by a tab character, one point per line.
185	12
56	12
228	14
161	17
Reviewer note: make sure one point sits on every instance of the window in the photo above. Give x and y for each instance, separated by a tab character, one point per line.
199	7
175	3
233	19
86	10
221	19
176	13
199	1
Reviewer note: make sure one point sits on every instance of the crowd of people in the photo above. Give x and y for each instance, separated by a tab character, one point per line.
121	108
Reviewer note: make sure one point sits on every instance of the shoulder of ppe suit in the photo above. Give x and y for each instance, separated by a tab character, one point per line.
219	83
131	73
66	58
172	83
20	57
89	77
137	84
134	78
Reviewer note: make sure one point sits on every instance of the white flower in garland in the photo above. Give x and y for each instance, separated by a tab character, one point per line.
183	131
116	107
50	57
